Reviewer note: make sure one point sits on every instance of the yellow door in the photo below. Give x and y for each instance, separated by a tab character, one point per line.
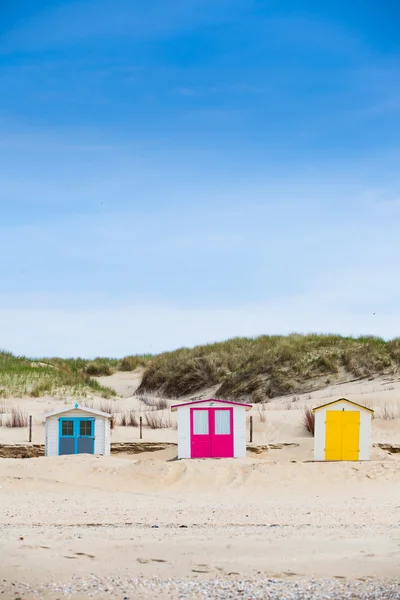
350	435
342	435
333	440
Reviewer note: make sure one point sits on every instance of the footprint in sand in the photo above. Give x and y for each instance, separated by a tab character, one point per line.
143	561
203	569
76	554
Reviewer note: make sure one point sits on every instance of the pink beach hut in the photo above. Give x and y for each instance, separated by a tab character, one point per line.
211	429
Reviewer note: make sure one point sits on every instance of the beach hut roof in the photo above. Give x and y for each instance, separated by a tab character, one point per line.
230	402
342	400
76	406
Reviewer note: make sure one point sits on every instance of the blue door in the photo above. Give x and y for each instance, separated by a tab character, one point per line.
76	436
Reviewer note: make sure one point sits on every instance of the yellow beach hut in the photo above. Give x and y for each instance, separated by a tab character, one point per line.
342	431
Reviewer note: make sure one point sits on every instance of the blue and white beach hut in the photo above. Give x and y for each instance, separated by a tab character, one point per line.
77	430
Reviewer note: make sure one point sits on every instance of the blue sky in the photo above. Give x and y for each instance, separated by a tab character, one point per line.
180	172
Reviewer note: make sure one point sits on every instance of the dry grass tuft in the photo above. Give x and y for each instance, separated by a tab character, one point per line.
17	418
154	420
309	421
129	419
107	407
261	412
389	413
154	403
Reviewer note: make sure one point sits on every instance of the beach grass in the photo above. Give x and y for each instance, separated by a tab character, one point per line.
252	369
20	376
268	366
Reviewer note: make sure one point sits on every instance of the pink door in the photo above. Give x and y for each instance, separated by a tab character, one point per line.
200	438
221	432
211	432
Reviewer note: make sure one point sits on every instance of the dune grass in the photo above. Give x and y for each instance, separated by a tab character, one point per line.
268	366
101	365
98	369
131	363
20	376
59	377
252	369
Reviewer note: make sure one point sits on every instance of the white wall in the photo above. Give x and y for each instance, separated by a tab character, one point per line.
239	428
365	435
320	430
107	437
319	435
184	450
51	437
101	431
99	435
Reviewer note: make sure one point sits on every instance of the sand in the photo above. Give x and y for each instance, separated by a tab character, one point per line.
276	422
70	516
150	526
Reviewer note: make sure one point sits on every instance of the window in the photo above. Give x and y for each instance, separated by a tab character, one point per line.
222	422
67	428
85	428
200	422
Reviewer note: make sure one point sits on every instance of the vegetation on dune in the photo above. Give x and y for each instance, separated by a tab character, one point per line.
253	369
130	363
101	365
267	366
97	369
54	377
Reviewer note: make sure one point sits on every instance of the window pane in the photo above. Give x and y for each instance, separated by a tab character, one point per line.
85	428
200	422
67	428
222	422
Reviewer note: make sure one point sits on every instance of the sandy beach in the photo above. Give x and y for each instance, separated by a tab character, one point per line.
65	520
272	525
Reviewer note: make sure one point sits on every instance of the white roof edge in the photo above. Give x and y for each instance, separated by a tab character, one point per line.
343	400
176	407
99	413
